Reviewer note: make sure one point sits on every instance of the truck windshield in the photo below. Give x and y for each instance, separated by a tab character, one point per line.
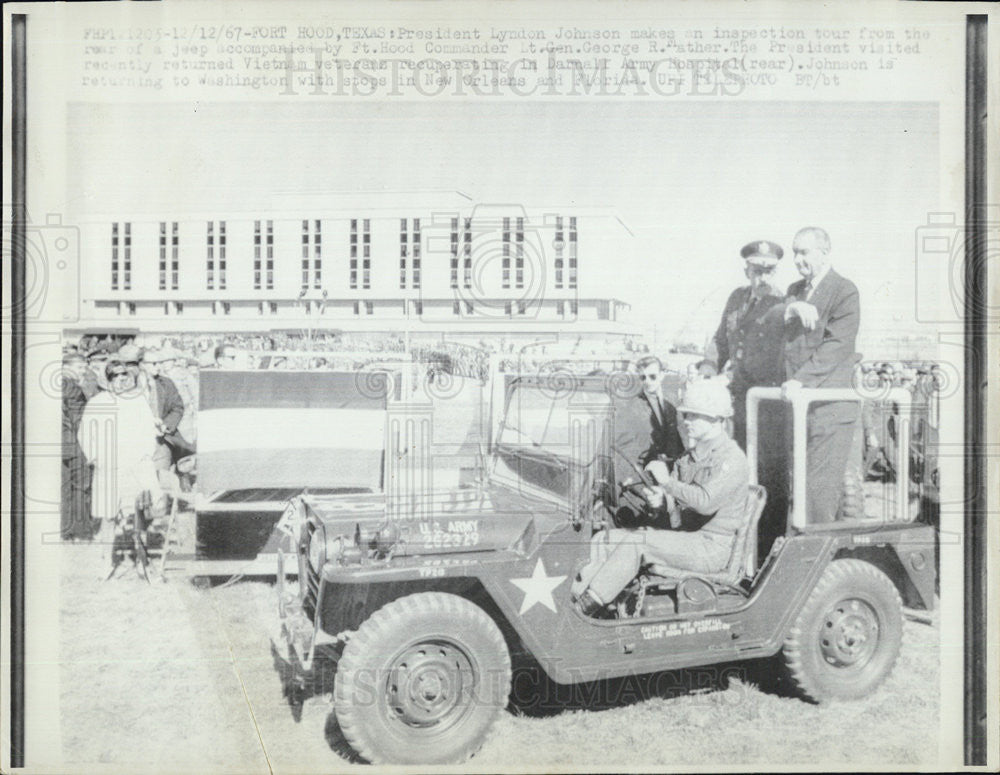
550	441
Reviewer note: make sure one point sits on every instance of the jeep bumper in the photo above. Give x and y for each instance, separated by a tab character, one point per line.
294	635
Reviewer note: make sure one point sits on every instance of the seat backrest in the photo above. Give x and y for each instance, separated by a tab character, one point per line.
756	500
743	561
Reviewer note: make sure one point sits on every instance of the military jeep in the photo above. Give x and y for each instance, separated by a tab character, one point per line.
415	604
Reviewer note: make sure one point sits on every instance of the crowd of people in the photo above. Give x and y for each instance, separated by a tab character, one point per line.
128	414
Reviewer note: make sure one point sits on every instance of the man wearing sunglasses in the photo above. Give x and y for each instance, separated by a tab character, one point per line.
226	357
664	437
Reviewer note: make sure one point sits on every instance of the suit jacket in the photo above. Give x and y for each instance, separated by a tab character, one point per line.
74	400
824	356
169	406
639	436
664	436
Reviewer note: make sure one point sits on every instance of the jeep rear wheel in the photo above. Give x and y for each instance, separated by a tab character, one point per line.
421	681
845	640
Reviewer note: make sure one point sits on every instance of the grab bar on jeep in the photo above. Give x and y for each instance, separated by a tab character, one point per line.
800	401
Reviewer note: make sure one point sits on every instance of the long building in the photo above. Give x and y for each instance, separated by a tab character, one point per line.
380	263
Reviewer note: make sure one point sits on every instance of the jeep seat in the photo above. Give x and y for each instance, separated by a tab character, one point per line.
742	562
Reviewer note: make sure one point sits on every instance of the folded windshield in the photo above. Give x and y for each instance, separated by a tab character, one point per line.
551	440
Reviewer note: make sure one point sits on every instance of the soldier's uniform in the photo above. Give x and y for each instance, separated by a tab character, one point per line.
709	483
751	335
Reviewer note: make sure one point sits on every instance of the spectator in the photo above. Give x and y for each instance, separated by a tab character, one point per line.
129	355
205	356
168	408
93	377
663	440
175	367
225	357
75	505
118	436
706	369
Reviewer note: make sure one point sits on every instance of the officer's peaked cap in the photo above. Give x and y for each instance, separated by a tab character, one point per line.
762	252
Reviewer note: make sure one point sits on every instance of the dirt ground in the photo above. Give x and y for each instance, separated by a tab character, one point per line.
179	677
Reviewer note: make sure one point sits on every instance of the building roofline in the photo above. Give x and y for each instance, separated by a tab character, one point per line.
346	205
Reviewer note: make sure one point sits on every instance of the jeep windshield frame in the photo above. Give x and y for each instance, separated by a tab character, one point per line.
553	441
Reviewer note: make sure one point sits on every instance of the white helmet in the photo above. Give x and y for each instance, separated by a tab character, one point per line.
709	397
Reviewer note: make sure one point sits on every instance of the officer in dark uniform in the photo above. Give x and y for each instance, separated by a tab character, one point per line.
751	335
751	338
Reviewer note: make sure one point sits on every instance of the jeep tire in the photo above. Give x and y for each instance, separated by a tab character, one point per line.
846	638
421	681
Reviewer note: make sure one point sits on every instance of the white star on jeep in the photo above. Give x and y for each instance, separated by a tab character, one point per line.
538	588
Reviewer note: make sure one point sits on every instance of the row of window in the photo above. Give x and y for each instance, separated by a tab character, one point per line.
411	250
271	307
560	247
121	245
366	254
512	254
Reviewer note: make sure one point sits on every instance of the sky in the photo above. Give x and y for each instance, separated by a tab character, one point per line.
693	181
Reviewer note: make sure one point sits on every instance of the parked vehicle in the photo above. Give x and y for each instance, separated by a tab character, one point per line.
416	605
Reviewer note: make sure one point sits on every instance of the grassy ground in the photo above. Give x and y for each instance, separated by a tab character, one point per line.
175	677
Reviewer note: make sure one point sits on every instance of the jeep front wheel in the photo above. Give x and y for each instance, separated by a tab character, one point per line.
846	638
421	681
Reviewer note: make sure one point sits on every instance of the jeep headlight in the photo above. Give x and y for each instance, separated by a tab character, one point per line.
323	548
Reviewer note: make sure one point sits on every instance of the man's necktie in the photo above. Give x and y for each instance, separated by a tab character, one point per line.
654	403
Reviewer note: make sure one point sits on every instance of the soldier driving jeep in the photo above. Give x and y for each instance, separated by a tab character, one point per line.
705	495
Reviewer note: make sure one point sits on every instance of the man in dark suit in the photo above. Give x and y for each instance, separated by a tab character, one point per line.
75	519
822	316
664	438
168	409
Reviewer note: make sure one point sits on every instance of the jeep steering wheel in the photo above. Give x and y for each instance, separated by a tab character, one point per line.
635	488
645	479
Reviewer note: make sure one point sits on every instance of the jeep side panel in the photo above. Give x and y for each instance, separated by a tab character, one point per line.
531	591
572	648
